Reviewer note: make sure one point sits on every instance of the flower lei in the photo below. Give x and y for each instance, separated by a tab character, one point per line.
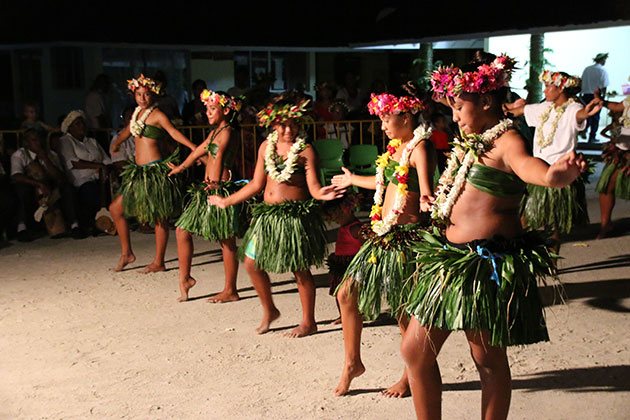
541	140
469	148
147	82
559	80
381	226
271	157
450	81
136	126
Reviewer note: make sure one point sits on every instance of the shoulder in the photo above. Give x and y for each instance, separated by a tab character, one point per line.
510	140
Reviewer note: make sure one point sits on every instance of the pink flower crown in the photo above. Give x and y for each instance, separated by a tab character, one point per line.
558	79
278	114
146	82
386	103
209	97
451	81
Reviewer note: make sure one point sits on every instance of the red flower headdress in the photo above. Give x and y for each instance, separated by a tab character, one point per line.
386	103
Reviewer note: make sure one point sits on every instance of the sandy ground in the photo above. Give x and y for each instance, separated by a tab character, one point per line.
79	341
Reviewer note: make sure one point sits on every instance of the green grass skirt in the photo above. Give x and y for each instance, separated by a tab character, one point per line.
382	270
456	288
212	222
288	237
555	208
149	194
615	160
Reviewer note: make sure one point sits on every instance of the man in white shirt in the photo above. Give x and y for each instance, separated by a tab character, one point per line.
87	167
38	174
594	79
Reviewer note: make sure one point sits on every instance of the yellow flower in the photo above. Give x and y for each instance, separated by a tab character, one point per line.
402	170
382	160
372	259
402	189
376	210
395	143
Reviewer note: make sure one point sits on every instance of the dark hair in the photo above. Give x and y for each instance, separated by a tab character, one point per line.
480	57
232	115
32	131
199	83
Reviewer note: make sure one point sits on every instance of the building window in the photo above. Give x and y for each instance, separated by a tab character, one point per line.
67	67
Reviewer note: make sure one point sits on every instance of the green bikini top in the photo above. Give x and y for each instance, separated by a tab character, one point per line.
213	148
153	132
495	182
412	182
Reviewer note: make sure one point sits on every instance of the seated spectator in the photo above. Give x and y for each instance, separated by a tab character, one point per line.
8	213
125	154
31	120
87	167
440	137
335	130
40	183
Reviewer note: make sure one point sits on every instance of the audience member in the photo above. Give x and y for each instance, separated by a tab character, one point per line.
97	106
594	80
87	167
31	119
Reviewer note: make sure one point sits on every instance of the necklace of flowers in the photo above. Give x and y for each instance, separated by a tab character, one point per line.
136	126
542	140
271	158
465	152
381	225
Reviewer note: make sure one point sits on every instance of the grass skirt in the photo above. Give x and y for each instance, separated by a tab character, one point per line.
483	285
618	160
287	237
382	270
149	194
212	222
556	208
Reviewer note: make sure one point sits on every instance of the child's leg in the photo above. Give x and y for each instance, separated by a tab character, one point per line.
494	371
185	249
352	326
306	290
117	212
230	265
401	388
606	205
161	239
262	284
420	348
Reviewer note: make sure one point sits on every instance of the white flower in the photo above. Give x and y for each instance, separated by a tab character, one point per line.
271	156
136	127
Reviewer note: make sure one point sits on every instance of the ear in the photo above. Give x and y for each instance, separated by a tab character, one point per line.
226	111
486	102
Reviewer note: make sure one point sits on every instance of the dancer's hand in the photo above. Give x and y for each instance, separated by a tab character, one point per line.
342	181
175	169
330	192
426	201
215	200
566	170
509	108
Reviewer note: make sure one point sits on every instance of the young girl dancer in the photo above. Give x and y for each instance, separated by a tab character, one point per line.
146	192
558	121
480	274
199	217
287	231
384	263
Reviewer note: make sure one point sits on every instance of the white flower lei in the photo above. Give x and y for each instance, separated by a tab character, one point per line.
469	148
542	140
381	227
137	126
290	163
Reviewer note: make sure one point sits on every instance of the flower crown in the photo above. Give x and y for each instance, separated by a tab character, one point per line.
451	81
386	103
209	97
559	80
146	82
277	114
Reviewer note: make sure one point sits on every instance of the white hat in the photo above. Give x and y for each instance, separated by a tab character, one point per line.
70	118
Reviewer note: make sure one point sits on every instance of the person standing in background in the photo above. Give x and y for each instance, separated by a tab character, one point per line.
594	80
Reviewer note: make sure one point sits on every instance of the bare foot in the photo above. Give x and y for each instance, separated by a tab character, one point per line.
124	260
153	268
302	331
336	321
266	321
184	287
224	297
349	373
399	390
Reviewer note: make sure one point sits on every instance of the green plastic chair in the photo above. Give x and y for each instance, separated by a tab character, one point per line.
362	159
330	154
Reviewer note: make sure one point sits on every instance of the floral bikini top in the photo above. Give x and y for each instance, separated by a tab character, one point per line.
413	184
